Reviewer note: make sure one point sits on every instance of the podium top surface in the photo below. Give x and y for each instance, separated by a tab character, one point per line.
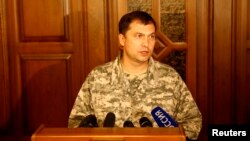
114	133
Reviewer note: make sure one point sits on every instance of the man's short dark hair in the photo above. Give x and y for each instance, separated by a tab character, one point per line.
128	18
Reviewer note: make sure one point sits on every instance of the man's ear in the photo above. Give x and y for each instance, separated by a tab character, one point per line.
121	39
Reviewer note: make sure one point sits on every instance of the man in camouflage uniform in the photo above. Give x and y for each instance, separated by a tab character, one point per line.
134	83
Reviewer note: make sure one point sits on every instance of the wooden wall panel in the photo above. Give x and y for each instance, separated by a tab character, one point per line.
246	98
46	103
203	88
221	62
5	113
248	21
242	69
191	59
97	33
36	16
33	19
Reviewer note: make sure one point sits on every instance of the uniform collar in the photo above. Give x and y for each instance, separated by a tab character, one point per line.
117	75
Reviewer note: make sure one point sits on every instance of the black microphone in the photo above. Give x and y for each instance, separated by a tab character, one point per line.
128	123
109	121
162	118
89	121
145	122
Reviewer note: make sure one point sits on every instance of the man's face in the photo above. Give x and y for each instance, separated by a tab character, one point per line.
138	42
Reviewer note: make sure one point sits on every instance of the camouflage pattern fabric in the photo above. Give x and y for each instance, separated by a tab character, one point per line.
108	89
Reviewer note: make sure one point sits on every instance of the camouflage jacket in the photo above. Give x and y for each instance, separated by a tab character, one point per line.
108	89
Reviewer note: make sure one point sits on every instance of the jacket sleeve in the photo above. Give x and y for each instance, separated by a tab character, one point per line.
81	107
188	113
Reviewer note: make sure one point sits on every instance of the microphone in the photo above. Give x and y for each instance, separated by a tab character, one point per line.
162	118
89	121
128	123
109	121
145	122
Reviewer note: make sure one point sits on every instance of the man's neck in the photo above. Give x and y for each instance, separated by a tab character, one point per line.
134	68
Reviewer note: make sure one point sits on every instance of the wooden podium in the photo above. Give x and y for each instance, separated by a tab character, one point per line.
108	134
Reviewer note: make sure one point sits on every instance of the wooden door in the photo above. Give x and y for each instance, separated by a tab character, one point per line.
45	45
52	46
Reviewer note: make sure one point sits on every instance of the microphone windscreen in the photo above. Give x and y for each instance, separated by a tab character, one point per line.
145	122
128	123
109	121
162	118
89	121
